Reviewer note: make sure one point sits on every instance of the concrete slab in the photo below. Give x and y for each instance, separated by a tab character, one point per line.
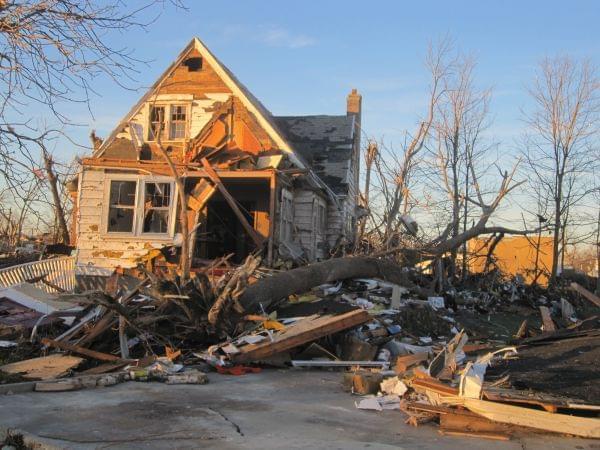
271	410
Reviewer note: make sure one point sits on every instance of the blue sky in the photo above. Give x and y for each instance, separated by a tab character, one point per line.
304	57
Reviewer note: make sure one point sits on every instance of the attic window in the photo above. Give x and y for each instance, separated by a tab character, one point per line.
193	64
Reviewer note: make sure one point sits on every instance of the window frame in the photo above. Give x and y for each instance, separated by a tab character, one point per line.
169	208
106	210
173	122
166	132
138	210
150	133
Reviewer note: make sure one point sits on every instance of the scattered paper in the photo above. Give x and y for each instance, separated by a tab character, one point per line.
379	403
393	386
436	302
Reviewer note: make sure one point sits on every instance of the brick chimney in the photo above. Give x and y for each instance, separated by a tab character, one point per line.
354	103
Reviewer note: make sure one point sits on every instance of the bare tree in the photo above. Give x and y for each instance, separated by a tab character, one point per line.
563	126
463	112
457	115
51	53
394	170
53	183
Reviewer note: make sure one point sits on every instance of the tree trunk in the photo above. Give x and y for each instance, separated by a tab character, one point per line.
465	219
557	234
297	281
371	154
58	207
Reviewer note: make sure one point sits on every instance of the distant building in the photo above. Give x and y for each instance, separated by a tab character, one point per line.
514	255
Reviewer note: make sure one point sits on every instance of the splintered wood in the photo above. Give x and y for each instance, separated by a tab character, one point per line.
404	362
302	332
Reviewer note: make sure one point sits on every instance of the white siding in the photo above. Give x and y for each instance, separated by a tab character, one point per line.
95	248
309	234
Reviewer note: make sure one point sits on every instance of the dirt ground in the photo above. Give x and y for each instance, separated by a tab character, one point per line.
271	410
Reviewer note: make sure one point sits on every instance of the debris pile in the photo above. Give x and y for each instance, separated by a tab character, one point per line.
485	363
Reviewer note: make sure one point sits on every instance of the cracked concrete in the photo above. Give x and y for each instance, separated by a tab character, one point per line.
271	410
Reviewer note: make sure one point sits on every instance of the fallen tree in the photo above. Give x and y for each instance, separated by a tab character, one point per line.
267	291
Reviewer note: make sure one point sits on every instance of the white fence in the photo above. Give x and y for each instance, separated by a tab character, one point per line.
57	272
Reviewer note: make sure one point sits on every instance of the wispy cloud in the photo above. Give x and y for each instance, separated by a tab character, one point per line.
280	37
270	35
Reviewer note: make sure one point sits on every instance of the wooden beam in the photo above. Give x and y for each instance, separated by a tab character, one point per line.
189	170
256	237
587	294
81	350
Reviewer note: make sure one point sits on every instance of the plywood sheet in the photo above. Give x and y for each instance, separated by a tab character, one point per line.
44	368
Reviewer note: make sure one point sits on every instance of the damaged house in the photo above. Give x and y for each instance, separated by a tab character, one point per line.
288	185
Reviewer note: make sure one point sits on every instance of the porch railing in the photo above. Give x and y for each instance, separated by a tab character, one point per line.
58	274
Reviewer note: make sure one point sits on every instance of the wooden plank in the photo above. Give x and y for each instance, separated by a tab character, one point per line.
81	351
404	362
44	368
302	332
527	417
256	237
547	322
435	386
585	293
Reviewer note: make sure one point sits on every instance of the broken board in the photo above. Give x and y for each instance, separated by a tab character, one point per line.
44	368
302	332
527	417
547	321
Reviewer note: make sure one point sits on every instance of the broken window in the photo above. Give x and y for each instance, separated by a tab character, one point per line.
121	206
193	64
157	204
156	114
178	122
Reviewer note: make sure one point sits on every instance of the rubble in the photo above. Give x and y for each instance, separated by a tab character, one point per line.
396	346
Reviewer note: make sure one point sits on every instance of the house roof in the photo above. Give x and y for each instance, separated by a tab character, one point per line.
263	116
325	143
300	137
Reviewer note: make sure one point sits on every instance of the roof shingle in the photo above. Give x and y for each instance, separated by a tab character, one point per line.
325	143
